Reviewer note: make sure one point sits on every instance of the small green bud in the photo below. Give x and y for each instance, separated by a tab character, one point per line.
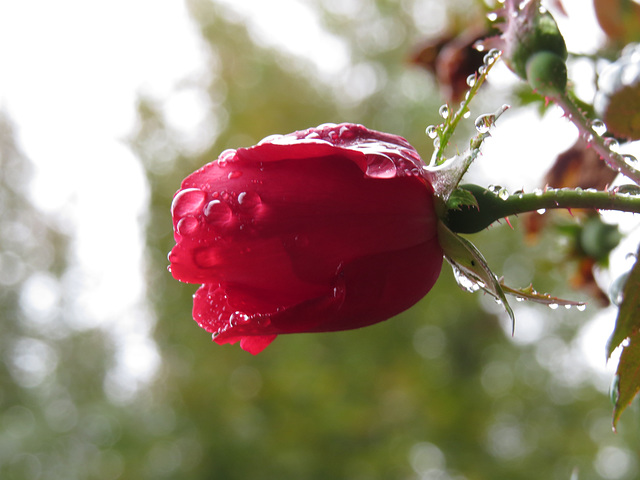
547	73
597	238
539	33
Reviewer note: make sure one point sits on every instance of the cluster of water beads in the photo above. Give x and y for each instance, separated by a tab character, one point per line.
442	132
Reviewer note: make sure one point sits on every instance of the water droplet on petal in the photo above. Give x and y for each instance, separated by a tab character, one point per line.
234	174
380	166
238	318
187	202
187	225
226	156
598	127
249	200
444	111
218	213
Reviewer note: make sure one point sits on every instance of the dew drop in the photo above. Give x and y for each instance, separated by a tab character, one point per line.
568	306
466	114
553	306
187	202
187	225
238	318
431	131
588	137
494	189
503	194
628	189
541	211
226	156
484	122
471	80
464	281
612	144
519	193
380	166
629	159
249	200
537	192
492	16
491	56
234	174
444	111
616	291
218	213
598	127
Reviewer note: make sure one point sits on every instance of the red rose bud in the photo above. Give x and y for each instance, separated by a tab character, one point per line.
326	229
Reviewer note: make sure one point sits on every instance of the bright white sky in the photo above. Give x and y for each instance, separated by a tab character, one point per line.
70	71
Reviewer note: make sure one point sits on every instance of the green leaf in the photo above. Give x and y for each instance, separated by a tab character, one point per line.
628	378
470	268
627	328
529	293
628	321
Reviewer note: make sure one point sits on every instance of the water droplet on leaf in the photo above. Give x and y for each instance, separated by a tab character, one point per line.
616	291
463	280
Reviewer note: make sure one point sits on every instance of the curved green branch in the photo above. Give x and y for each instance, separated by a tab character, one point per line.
492	206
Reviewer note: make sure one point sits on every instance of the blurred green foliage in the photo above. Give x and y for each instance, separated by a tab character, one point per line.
440	392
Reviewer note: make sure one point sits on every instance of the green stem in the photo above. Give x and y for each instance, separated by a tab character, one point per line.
614	160
492	207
